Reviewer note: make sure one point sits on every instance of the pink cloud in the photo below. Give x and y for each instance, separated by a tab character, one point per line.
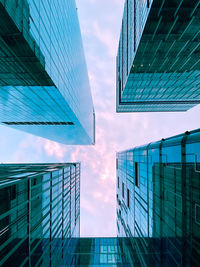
114	132
54	149
105	35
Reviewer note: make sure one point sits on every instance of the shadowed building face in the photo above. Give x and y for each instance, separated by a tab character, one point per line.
158	199
39	212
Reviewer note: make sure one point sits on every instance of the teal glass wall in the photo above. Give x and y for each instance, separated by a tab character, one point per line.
44	86
100	252
158	65
39	212
162	207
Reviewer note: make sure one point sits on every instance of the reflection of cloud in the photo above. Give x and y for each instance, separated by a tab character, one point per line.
114	132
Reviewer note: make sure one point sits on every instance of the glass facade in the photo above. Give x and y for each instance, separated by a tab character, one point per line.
161	203
39	213
44	86
158	66
96	251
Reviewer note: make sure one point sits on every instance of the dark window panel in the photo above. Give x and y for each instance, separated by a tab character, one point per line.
123	190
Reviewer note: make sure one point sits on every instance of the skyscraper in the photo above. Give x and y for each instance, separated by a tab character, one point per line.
39	213
158	66
158	200
44	86
101	251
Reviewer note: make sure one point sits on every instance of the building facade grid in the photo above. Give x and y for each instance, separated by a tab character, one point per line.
160	212
40	212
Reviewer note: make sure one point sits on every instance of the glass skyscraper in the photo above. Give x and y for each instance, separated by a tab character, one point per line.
39	213
158	200
44	86
158	66
93	252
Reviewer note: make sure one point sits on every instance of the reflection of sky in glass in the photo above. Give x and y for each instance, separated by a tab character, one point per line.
159	195
52	31
115	132
55	27
144	76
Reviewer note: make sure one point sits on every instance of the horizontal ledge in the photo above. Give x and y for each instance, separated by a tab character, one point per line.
36	123
160	102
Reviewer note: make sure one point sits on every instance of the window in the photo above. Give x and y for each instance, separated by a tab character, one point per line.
127	34
136	174
148	3
13	192
134	25
123	190
122	76
197	213
118	181
117	163
128	198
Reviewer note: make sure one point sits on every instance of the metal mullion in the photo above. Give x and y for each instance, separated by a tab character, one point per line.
43	228
162	4
184	192
29	220
32	250
40	194
194	9
188	25
56	221
156	28
12	251
18	219
41	257
55	204
70	201
42	183
63	212
50	239
178	7
75	197
58	230
67	229
8	241
66	216
39	222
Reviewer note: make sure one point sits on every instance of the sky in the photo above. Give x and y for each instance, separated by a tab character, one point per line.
100	22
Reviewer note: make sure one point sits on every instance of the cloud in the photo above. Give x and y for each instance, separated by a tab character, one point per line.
54	149
100	23
105	36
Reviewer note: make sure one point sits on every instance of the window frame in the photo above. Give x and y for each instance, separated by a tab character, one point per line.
128	198
136	172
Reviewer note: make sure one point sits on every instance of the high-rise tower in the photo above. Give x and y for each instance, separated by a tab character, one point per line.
39	213
44	86
158	200
158	65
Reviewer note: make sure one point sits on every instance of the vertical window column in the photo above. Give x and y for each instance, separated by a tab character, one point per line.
127	35
136	174
134	25
122	57
128	198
